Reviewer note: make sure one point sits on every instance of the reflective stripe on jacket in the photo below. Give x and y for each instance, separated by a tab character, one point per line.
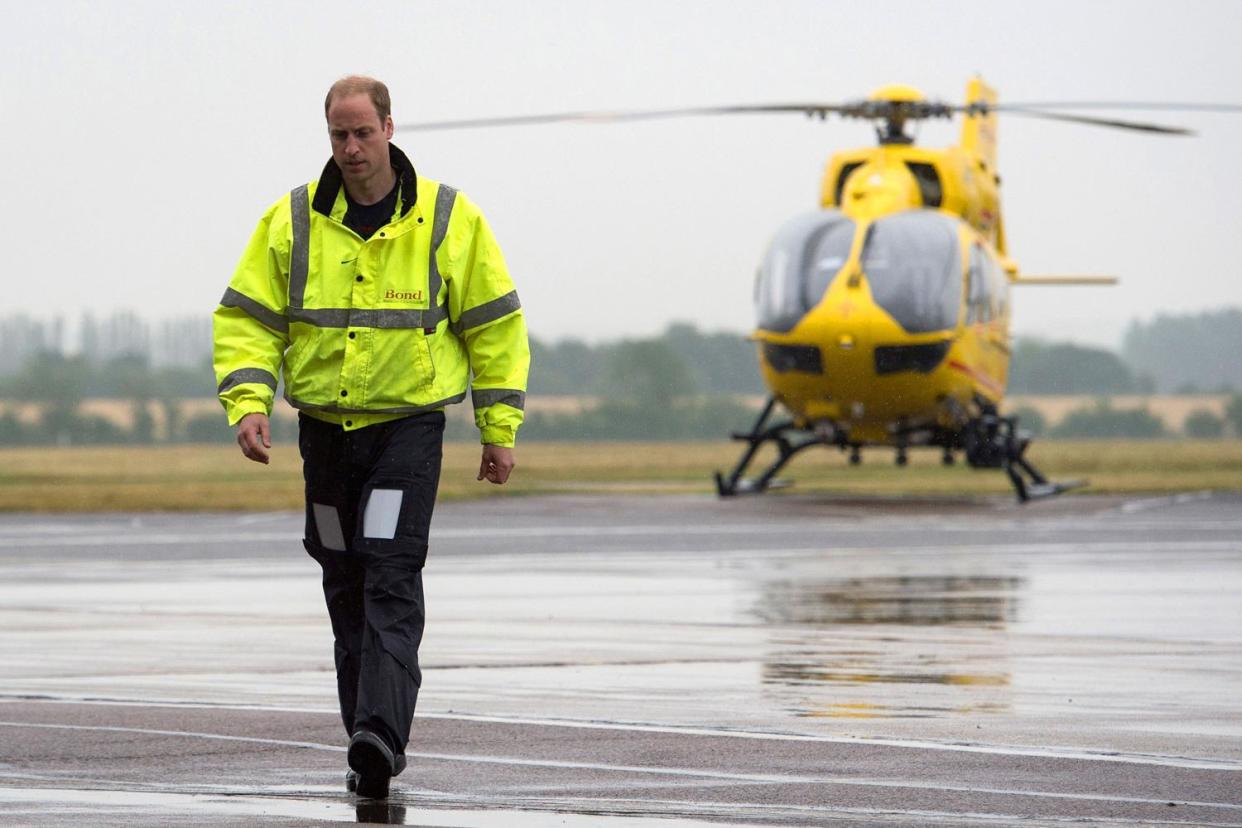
367	331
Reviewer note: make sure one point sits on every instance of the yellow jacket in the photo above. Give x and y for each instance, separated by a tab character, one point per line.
368	331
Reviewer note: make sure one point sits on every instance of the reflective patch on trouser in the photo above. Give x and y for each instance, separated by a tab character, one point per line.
383	509
328	525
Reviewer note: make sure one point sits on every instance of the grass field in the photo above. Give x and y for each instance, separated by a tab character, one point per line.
206	478
1172	409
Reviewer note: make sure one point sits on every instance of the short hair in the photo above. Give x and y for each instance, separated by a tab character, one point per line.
361	85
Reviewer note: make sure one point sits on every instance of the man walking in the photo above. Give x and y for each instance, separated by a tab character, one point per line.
380	295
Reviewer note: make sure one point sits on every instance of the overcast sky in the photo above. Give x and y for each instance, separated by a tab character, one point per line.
143	140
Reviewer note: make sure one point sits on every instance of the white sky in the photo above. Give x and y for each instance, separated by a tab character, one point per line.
142	141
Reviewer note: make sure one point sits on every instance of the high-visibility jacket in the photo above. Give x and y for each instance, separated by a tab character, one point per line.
368	331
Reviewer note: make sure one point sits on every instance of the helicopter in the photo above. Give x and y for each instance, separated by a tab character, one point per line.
882	317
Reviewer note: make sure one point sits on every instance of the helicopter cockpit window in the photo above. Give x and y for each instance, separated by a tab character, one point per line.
1000	287
800	263
846	170
979	289
913	264
930	188
988	292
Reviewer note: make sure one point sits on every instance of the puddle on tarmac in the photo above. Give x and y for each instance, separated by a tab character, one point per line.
112	807
910	600
786	673
823	662
862	710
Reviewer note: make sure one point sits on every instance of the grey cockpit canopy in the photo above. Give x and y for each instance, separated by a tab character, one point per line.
912	262
800	263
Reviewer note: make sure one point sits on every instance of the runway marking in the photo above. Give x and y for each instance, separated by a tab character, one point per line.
994	547
958	747
447	810
129	539
261	804
187	733
1073	754
265	517
536	812
53	528
694	773
160	539
771	810
787	779
1143	504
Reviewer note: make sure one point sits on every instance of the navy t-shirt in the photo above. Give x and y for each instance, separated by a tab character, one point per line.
365	219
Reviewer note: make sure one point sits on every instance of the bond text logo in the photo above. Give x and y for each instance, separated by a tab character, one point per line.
391	295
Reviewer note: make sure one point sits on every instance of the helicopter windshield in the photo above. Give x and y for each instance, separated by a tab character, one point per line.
800	263
914	267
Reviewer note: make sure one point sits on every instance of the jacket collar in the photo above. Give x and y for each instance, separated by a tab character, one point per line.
330	183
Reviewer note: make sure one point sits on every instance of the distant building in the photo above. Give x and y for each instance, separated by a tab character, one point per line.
182	341
21	336
173	342
121	334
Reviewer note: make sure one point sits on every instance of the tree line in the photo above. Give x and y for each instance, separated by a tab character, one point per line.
1171	354
1187	353
682	384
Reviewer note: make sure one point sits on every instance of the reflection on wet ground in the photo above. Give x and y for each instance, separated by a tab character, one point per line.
798	673
812	656
381	813
95	807
919	600
1082	630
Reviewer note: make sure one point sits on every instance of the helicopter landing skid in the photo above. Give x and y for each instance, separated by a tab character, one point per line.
789	441
995	442
990	441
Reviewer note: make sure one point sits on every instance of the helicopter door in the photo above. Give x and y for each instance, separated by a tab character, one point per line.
802	260
979	304
986	309
988	293
912	262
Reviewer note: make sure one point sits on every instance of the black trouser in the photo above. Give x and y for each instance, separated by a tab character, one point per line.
369	496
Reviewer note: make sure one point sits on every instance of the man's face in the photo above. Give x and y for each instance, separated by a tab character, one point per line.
359	139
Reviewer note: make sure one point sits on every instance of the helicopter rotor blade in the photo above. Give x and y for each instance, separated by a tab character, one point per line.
812	110
866	109
1042	110
1149	106
1092	120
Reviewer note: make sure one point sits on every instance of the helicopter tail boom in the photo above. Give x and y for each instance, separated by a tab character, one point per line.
979	128
1064	280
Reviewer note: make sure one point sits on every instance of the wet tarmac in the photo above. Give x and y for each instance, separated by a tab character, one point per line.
673	661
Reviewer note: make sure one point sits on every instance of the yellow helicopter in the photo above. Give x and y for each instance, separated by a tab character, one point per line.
883	316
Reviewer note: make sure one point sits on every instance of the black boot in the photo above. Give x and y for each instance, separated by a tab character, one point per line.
374	763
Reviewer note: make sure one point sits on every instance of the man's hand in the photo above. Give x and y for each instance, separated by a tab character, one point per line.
497	463
254	435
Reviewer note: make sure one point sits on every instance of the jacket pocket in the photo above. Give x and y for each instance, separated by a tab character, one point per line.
399	368
424	363
299	352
